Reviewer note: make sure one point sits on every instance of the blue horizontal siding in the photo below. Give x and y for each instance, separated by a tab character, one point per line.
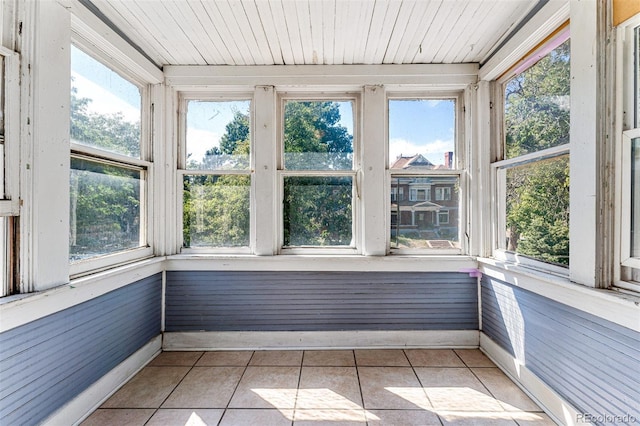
591	362
46	363
319	301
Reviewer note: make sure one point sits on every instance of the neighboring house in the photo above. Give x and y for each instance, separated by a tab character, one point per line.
424	207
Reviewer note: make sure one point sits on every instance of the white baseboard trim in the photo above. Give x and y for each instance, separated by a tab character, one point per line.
265	340
553	404
84	404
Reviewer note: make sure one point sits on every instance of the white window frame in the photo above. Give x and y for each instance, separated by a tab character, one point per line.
144	163
205	96
354	172
443	194
627	268
499	170
460	170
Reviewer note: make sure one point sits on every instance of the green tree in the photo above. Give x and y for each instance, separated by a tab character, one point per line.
536	118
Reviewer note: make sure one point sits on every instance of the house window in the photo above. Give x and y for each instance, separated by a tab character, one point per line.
443	217
533	178
216	174
630	157
109	164
443	194
317	172
422	146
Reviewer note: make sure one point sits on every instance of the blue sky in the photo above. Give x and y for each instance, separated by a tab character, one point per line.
415	126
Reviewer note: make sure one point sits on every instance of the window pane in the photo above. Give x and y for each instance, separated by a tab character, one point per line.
635	197
318	211
422	134
105	108
216	210
218	135
318	135
536	105
105	208
537	210
429	218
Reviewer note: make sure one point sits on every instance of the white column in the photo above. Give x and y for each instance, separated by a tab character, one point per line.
585	175
45	159
374	200
264	180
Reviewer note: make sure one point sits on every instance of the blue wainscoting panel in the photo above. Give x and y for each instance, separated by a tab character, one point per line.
592	363
319	301
46	363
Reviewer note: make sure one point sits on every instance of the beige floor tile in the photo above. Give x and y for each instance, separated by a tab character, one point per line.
329	388
267	387
327	417
391	388
261	417
329	358
205	387
504	390
225	359
186	417
402	418
276	358
474	358
148	389
456	389
433	358
482	418
381	358
183	359
118	416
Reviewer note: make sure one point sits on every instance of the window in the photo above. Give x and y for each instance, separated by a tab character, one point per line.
423	162
317	168
630	229
533	177
216	174
109	166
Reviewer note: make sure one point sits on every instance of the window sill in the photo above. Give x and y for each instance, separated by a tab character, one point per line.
299	262
612	305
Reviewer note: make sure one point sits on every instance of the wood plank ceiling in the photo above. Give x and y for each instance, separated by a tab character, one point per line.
298	32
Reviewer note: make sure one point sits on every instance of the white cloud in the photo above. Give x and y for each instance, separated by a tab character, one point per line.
103	101
199	141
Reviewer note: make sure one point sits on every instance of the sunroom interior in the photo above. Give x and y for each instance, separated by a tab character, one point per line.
193	175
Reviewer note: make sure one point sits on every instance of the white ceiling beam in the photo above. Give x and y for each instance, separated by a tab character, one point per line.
451	75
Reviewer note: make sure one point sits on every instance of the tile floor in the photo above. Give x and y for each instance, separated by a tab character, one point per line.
338	387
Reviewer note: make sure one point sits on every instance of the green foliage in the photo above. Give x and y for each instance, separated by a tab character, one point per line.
536	118
105	199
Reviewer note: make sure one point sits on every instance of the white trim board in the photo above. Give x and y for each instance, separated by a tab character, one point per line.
79	408
553	404
265	340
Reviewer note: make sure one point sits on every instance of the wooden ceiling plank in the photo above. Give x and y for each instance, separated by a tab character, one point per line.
261	54
434	36
192	39
229	41
460	21
293	26
340	33
328	30
234	31
282	31
421	18
373	33
304	24
137	32
259	32
399	29
271	34
364	23
211	32
465	47
386	30
317	25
